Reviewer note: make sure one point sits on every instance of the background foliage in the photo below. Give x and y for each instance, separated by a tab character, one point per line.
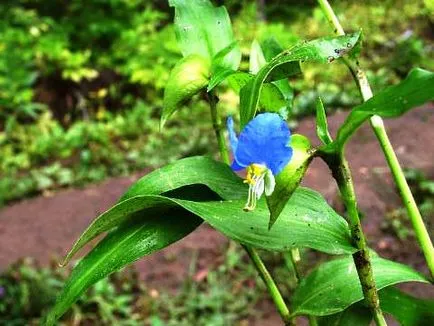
81	82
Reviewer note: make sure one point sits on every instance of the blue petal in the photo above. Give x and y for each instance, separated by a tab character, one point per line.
236	167
232	135
265	140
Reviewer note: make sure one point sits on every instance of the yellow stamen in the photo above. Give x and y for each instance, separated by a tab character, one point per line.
254	170
255	173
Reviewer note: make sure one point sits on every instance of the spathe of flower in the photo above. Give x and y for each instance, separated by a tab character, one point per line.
262	148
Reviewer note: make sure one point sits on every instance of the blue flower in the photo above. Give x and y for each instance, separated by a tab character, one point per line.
263	149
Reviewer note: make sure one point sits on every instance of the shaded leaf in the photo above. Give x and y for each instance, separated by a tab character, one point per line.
324	50
355	315
334	286
220	70
288	180
271	49
408	310
188	77
415	90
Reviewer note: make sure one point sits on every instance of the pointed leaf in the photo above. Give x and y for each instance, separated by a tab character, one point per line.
256	58
323	50
334	286
322	129
288	180
415	90
145	233
194	170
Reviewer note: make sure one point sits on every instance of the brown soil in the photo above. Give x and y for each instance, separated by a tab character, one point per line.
45	227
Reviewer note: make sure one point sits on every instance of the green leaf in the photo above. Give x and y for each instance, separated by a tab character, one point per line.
238	80
322	129
272	48
220	70
408	310
415	90
355	315
144	233
324	50
195	170
271	100
289	179
205	30
306	211
256	58
188	77
306	221
334	286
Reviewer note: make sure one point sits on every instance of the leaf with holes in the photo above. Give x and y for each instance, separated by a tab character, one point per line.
324	50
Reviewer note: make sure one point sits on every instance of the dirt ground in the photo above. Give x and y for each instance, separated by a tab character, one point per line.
45	227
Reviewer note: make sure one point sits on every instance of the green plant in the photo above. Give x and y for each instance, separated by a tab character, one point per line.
169	203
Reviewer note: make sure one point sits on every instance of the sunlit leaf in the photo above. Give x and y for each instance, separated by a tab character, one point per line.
256	58
323	50
188	77
334	286
205	30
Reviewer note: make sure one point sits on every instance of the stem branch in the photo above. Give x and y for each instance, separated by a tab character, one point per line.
217	125
271	285
392	160
362	260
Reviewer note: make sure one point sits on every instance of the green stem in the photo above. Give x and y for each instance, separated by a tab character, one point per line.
406	195
381	134
362	260
217	125
296	260
271	285
258	263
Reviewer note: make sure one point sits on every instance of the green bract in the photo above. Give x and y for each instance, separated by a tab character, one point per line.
288	180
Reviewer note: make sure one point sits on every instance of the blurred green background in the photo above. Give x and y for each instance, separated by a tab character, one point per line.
81	82
81	88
